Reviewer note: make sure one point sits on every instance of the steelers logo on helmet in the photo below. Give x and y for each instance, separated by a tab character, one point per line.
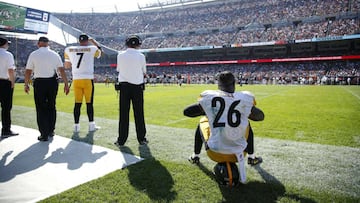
133	41
227	174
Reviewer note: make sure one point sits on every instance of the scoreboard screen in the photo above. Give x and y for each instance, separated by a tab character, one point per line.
15	18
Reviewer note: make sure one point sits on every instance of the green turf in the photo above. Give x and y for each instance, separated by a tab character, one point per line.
310	141
317	114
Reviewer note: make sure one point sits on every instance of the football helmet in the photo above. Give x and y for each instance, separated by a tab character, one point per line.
227	174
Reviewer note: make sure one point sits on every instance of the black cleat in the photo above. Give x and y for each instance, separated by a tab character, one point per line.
43	139
8	134
255	161
194	160
118	144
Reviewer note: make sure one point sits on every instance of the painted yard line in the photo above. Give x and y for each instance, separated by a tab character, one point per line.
351	92
258	98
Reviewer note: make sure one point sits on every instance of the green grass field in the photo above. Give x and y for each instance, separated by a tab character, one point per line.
310	142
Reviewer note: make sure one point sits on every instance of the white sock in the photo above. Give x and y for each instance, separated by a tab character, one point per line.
195	155
252	156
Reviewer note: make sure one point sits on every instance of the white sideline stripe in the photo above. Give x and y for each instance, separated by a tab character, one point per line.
351	92
31	170
176	121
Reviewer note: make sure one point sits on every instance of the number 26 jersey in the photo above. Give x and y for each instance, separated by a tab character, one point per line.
228	119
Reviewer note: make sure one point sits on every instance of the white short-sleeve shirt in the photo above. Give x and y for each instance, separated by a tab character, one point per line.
44	62
6	63
131	65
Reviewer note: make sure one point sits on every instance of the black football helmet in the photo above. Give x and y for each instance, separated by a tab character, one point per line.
227	174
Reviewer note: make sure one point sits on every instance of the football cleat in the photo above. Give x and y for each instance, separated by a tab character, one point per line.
194	160
118	144
93	127
254	161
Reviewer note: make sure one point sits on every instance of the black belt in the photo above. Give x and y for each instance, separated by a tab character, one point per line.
49	78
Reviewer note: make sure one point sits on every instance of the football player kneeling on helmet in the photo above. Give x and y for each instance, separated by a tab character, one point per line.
225	127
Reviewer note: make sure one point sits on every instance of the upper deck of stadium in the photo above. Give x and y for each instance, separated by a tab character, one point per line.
219	23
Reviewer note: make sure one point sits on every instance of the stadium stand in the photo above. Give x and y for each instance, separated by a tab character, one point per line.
223	22
211	31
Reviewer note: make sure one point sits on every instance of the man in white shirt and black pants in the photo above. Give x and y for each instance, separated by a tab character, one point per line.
131	65
45	63
7	80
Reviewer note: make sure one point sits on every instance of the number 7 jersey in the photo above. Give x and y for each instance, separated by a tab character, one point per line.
228	119
82	60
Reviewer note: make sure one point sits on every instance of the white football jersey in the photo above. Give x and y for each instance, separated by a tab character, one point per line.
82	60
228	119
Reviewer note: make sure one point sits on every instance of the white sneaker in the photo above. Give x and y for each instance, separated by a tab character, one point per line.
93	127
76	127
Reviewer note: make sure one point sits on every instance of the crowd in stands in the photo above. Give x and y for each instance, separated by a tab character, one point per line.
223	22
218	23
304	73
326	72
21	49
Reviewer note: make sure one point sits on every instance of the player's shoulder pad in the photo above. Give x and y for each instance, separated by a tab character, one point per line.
248	93
209	93
245	96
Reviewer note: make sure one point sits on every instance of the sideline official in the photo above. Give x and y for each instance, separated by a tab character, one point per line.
7	81
45	63
131	65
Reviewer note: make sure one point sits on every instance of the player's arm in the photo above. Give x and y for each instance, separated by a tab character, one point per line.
61	70
99	52
67	62
194	110
27	80
11	74
256	114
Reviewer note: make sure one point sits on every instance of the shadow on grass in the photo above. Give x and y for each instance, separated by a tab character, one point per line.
150	176
272	190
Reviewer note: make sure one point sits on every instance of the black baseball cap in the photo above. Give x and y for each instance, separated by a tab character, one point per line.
83	37
43	39
3	41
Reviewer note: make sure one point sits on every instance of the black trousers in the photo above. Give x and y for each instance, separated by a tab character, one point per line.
199	141
6	98
130	93
45	92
